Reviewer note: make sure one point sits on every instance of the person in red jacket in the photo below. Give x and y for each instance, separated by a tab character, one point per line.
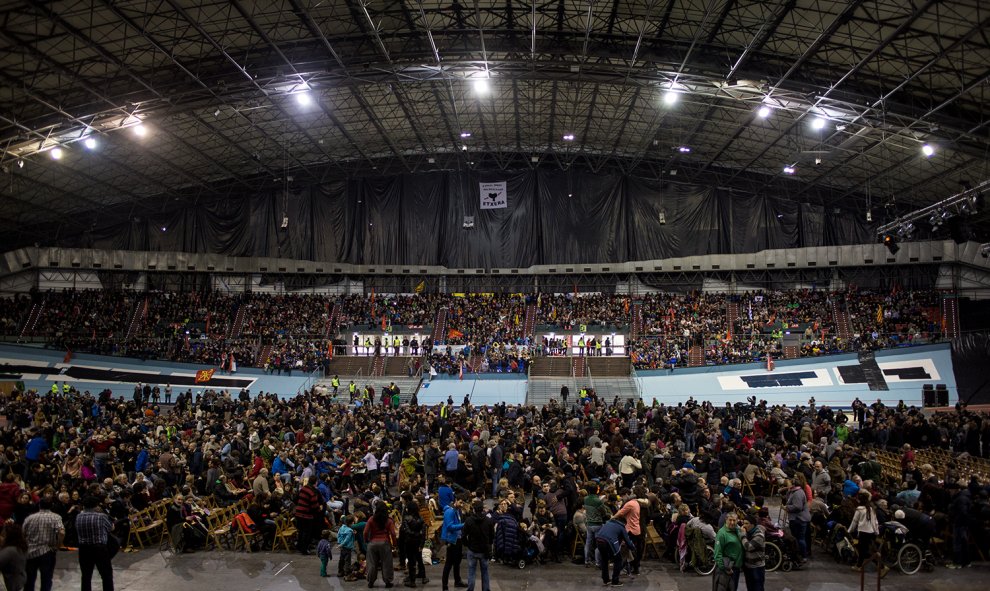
9	491
309	515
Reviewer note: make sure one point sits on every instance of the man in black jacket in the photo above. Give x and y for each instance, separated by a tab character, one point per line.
479	533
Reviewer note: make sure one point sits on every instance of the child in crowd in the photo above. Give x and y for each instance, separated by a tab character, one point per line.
346	541
323	550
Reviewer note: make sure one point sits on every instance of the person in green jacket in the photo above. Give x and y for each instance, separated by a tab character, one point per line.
729	555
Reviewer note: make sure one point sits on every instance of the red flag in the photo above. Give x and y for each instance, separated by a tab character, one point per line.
208	318
769	362
454	334
204	375
330	350
461	376
383	322
68	356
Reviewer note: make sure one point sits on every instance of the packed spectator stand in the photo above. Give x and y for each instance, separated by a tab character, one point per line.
485	331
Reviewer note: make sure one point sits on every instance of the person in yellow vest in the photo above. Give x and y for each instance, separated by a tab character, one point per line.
395	346
65	387
598	348
443	410
55	388
352	390
335	382
367	345
365	397
581	346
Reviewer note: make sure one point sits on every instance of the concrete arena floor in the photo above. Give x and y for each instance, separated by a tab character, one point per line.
236	571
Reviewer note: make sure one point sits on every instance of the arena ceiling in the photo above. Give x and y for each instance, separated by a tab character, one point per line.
218	87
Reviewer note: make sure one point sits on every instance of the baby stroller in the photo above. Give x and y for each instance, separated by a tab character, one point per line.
511	545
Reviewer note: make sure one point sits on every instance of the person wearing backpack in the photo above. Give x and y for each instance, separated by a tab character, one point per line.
412	536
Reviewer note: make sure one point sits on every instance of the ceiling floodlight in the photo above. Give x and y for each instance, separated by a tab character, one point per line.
57	153
670	97
568	137
90	143
481	86
465	134
304	99
684	149
764	112
140	130
789	169
818	123
928	150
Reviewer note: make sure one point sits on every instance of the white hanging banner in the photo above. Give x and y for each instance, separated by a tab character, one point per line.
494	195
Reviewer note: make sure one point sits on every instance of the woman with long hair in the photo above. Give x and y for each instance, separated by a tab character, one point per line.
865	527
380	536
13	557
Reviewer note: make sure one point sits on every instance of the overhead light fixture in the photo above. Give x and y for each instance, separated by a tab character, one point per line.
985	250
818	123
304	99
890	241
789	169
764	112
57	153
684	149
670	97
465	134
431	160
568	137
481	86
928	150
90	143
464	148
534	159
140	130
20	164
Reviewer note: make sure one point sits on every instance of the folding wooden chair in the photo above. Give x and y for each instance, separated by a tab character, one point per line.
653	542
285	532
144	526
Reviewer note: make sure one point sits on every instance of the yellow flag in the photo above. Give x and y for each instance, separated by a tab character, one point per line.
420	286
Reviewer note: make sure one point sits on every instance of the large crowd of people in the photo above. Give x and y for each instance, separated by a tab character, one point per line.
378	482
484	330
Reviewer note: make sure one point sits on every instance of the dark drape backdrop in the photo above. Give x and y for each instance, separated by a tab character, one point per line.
553	217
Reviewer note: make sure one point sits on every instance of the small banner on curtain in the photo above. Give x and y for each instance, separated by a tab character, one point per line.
494	195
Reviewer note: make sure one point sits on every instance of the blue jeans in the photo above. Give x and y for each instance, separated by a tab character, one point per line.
496	475
474	560
590	546
799	531
689	442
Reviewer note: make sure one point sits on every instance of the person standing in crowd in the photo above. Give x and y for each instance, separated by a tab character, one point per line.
608	542
960	509
309	515
451	535
754	545
729	555
479	532
865	527
13	556
798	516
380	537
45	532
93	529
595	513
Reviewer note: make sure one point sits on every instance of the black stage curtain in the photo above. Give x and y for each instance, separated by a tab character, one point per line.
553	217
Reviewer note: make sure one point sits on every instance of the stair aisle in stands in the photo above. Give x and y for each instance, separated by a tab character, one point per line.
439	333
32	318
264	352
137	319
843	327
636	322
950	316
238	324
529	326
696	356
